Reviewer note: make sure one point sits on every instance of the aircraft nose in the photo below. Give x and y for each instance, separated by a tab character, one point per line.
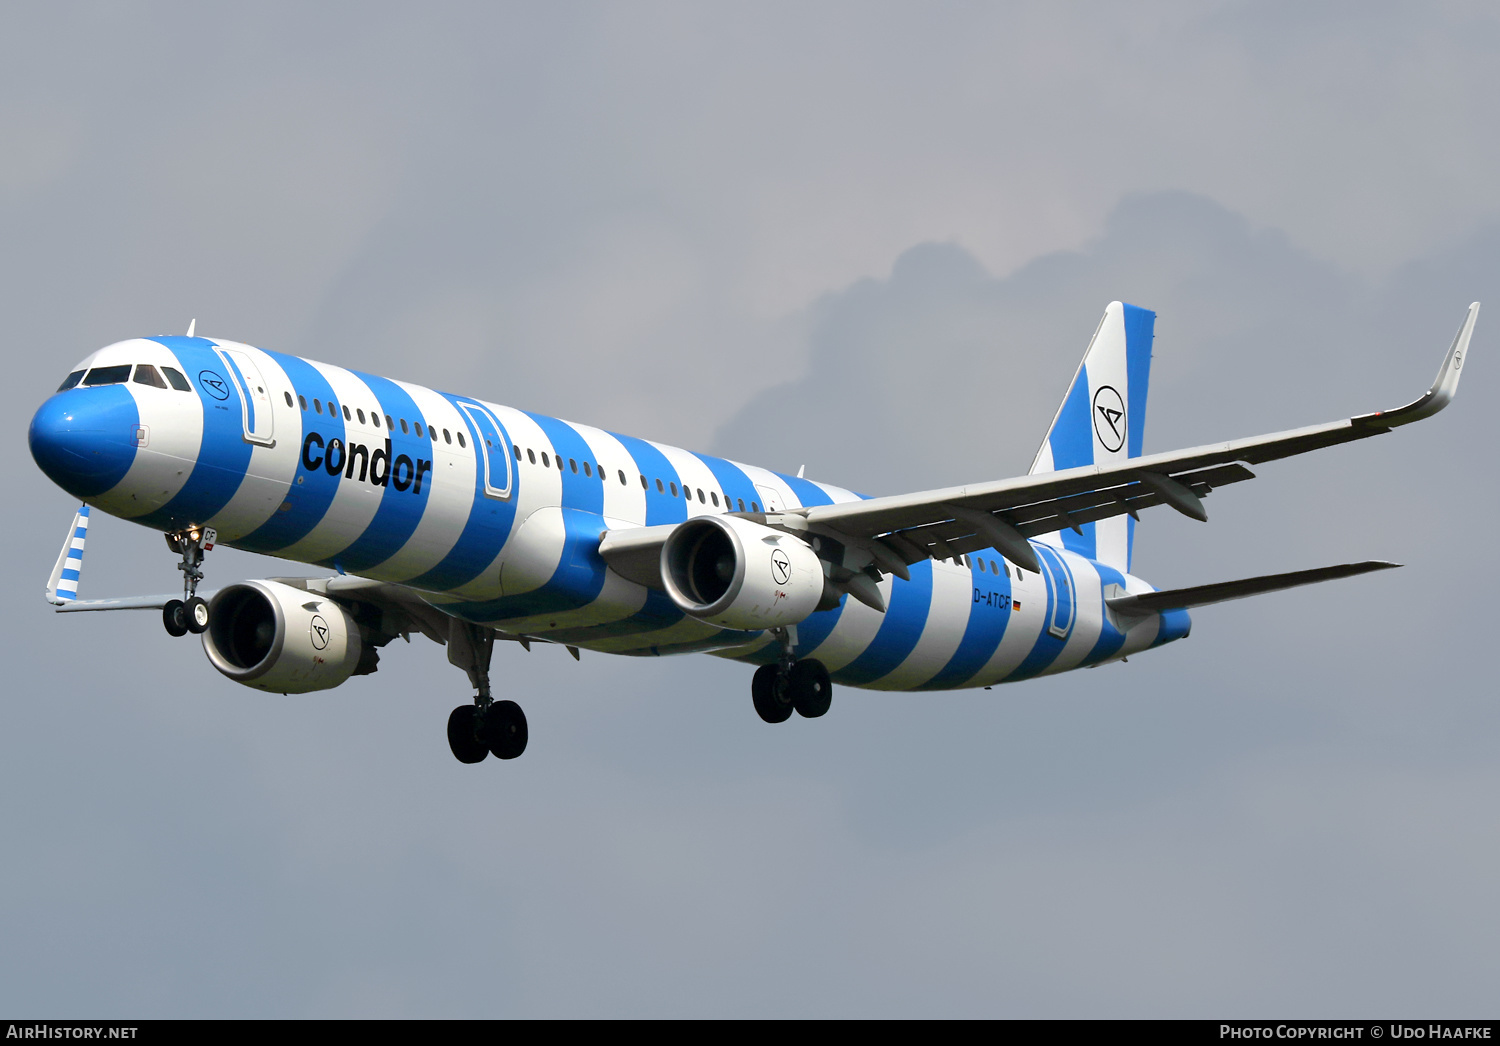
84	439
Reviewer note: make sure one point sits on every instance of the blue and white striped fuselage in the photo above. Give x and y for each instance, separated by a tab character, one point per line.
494	515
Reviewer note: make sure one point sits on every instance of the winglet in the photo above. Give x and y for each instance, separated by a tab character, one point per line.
1443	389
192	326
62	586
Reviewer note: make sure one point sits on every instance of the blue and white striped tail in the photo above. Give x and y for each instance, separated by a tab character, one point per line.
63	586
1101	421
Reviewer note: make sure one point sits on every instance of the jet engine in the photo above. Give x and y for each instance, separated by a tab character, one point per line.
282	639
732	572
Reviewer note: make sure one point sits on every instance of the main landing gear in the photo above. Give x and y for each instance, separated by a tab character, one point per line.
190	613
791	685
487	727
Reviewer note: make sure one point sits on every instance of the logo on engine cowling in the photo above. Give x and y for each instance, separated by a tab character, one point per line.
318	632
781	567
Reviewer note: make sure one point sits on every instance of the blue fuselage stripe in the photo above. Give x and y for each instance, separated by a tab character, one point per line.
899	631
223	455
312	488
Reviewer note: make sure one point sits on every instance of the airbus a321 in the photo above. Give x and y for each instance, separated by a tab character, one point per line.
470	522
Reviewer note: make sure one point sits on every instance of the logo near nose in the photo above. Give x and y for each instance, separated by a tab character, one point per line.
1109	418
213	384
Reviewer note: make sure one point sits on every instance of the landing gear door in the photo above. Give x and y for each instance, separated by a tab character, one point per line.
254	396
1060	581
494	450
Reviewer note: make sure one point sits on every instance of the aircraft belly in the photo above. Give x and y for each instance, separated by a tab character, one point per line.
948	613
856	629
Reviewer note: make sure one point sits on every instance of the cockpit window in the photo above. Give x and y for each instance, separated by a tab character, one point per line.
145	374
108	375
70	381
178	381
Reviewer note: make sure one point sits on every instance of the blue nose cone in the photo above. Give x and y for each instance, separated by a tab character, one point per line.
85	439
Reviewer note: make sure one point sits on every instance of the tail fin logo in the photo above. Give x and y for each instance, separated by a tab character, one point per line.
1109	418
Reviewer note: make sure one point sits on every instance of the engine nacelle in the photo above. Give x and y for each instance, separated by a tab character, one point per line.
275	637
732	572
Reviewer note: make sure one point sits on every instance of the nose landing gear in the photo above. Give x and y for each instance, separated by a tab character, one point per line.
190	613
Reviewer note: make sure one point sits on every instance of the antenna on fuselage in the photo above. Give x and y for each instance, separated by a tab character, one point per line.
193	323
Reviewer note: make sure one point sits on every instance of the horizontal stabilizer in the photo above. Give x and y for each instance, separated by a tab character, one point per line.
122	603
1202	595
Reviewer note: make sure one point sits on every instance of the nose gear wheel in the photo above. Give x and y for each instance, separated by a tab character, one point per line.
190	613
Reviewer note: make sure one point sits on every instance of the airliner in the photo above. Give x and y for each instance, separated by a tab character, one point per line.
470	522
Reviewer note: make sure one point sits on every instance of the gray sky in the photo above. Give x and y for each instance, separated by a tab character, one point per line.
873	239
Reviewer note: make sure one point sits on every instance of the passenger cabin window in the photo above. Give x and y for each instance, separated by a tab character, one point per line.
754	507
302	400
178	381
586	471
389	423
360	413
531	455
404	429
145	374
624	484
659	489
463	443
375	419
573	465
546	461
107	375
317	405
446	437
674	489
741	503
70	381
288	396
714	496
418	426
513	447
347	415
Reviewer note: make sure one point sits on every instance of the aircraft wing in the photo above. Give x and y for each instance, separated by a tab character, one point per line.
908	528
942	524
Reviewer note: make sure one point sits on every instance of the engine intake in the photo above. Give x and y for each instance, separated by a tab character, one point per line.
732	572
282	639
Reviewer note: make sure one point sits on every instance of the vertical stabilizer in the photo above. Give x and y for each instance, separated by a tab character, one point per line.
1101	421
62	587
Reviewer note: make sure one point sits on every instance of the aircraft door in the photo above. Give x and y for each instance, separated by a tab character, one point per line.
255	398
494	450
770	500
1060	581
